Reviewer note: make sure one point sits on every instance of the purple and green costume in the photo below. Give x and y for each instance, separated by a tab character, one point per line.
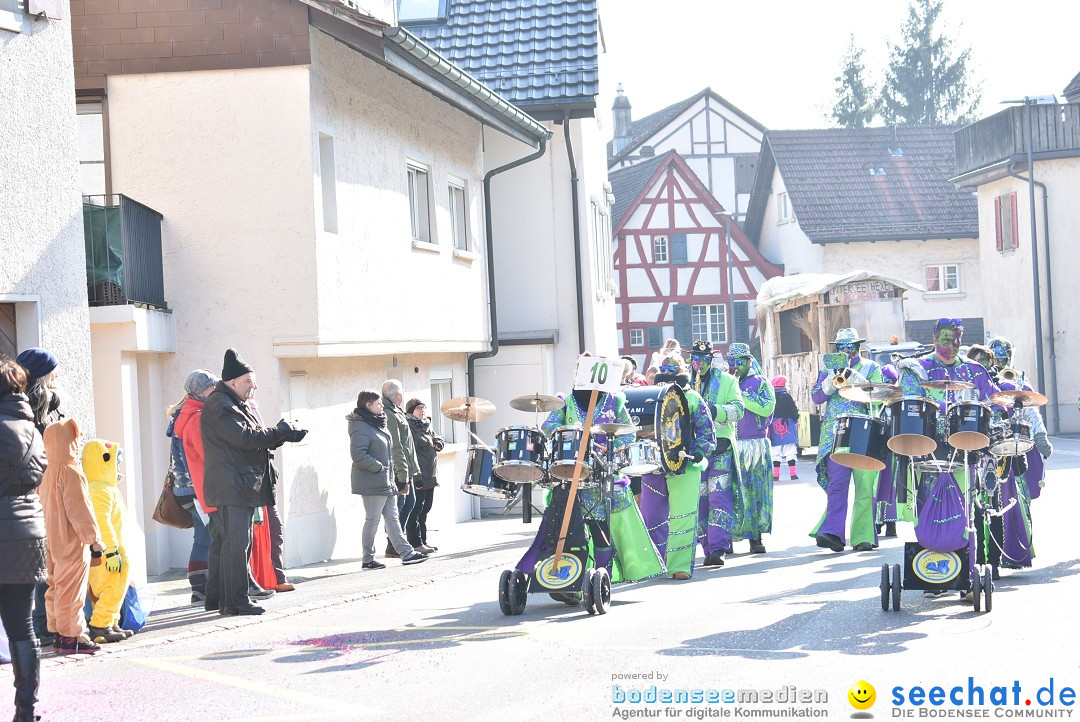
716	505
754	484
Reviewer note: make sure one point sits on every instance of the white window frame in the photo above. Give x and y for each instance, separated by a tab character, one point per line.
783	209
661	249
440	386
942	277
418	181
91	160
438	14
714	318
328	180
459	213
637	337
605	257
11	15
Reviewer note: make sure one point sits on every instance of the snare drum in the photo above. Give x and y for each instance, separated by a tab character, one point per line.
1011	438
520	454
913	426
859	442
969	425
565	442
637	458
944	459
479	481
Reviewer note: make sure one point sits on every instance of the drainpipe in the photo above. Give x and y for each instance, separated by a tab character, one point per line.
577	233
1055	412
493	320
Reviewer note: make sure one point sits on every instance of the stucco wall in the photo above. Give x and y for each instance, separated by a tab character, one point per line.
784	243
374	284
41	230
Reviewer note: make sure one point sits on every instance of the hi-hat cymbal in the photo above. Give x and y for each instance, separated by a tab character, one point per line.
614	429
1018	397
537	402
468	409
865	393
947	385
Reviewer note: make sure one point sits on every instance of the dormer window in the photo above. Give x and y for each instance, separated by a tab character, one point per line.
413	11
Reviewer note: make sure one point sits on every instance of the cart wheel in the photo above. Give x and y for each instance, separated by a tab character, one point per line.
601	585
518	591
976	591
587	590
884	587
988	588
896	586
504	591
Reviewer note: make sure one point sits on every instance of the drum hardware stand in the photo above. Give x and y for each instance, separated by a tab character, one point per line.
524	494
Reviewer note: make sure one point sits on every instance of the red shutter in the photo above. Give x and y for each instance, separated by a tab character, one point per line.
997	221
1015	222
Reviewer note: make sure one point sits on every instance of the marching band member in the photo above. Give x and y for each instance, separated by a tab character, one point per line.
716	506
669	504
835	478
754	487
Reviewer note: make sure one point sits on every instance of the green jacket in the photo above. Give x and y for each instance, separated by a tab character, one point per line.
721	390
404	450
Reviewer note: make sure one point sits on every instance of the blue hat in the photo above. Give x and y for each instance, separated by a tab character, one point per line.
37	361
739	350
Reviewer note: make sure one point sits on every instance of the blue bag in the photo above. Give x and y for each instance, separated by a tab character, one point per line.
132	615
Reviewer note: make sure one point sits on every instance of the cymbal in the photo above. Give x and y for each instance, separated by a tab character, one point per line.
537	402
947	385
1018	397
614	429
865	393
468	409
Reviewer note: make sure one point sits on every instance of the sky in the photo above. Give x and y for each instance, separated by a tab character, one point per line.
777	60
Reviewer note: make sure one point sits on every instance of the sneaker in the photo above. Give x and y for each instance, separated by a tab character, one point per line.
864	547
794	477
77	645
681	576
413	557
252	609
716	559
105	635
391	551
432	548
126	632
260	593
424	549
374	565
756	547
285	587
830	541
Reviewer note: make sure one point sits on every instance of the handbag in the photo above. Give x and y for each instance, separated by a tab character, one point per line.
168	510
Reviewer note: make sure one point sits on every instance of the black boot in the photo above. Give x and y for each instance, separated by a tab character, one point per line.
26	662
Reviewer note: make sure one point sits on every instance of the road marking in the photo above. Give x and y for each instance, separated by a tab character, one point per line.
262	689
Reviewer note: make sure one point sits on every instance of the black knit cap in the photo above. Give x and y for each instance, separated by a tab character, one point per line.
234	367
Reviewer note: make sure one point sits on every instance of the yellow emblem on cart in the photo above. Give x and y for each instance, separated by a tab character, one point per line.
936	567
551	578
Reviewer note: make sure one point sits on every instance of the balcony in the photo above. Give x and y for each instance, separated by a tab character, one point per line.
123	252
1055	131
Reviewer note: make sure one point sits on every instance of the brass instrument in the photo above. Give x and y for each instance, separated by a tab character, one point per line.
1011	376
847	377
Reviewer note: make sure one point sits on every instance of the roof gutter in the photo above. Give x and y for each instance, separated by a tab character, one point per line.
898	237
425	55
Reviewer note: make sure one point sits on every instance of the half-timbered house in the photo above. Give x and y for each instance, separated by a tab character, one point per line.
683	268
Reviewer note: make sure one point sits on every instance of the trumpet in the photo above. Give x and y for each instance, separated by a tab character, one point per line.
1010	376
848	376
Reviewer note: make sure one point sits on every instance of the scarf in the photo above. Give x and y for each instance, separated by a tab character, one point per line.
376	420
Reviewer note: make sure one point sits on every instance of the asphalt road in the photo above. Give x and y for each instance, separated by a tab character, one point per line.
429	641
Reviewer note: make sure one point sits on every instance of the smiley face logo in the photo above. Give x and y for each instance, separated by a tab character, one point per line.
862	695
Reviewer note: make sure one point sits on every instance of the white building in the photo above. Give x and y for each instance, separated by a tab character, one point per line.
875	199
42	274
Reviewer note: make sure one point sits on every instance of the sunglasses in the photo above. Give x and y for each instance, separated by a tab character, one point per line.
846	346
668	369
738	362
700	356
952	322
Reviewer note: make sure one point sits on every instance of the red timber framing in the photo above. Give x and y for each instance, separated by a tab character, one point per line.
675	204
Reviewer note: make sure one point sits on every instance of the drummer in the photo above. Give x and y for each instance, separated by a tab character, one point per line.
835	478
716	506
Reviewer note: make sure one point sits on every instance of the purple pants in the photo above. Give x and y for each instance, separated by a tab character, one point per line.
654	509
835	519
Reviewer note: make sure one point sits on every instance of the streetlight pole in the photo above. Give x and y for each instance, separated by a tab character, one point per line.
1029	142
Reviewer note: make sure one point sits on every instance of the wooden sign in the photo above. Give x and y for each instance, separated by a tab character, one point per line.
869	290
599	374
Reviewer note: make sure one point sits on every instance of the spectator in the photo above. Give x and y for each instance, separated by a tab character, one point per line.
22	532
273	533
370	445
630	375
237	478
199	384
428	445
650	375
784	432
404	451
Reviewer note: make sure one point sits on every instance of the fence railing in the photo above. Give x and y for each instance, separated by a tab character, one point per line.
123	252
1003	135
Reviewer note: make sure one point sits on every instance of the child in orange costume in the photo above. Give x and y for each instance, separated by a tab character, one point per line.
108	581
71	529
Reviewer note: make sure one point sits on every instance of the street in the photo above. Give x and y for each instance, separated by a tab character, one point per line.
798	626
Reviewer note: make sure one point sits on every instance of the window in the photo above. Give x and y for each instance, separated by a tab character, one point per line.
601	228
1005	221
328	182
783	210
709	322
415	10
637	337
659	249
678	249
419	203
656	337
8	331
441	392
745	168
459	228
11	15
88	120
943	279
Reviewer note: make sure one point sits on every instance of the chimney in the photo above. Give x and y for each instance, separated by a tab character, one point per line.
620	109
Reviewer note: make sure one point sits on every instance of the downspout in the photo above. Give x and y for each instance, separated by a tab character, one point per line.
493	320
577	233
1055	412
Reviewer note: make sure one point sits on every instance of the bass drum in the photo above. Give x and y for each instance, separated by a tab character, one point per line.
859	442
945	459
479	481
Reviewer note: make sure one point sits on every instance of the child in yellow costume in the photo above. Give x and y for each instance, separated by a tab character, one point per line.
108	581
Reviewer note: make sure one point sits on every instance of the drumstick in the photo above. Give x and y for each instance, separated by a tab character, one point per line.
482	442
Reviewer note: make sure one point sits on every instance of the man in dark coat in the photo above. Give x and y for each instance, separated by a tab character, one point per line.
237	478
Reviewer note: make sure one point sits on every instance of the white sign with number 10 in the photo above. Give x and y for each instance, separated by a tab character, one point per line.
598	373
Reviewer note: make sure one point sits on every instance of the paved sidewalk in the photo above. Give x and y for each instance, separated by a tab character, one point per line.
480	546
